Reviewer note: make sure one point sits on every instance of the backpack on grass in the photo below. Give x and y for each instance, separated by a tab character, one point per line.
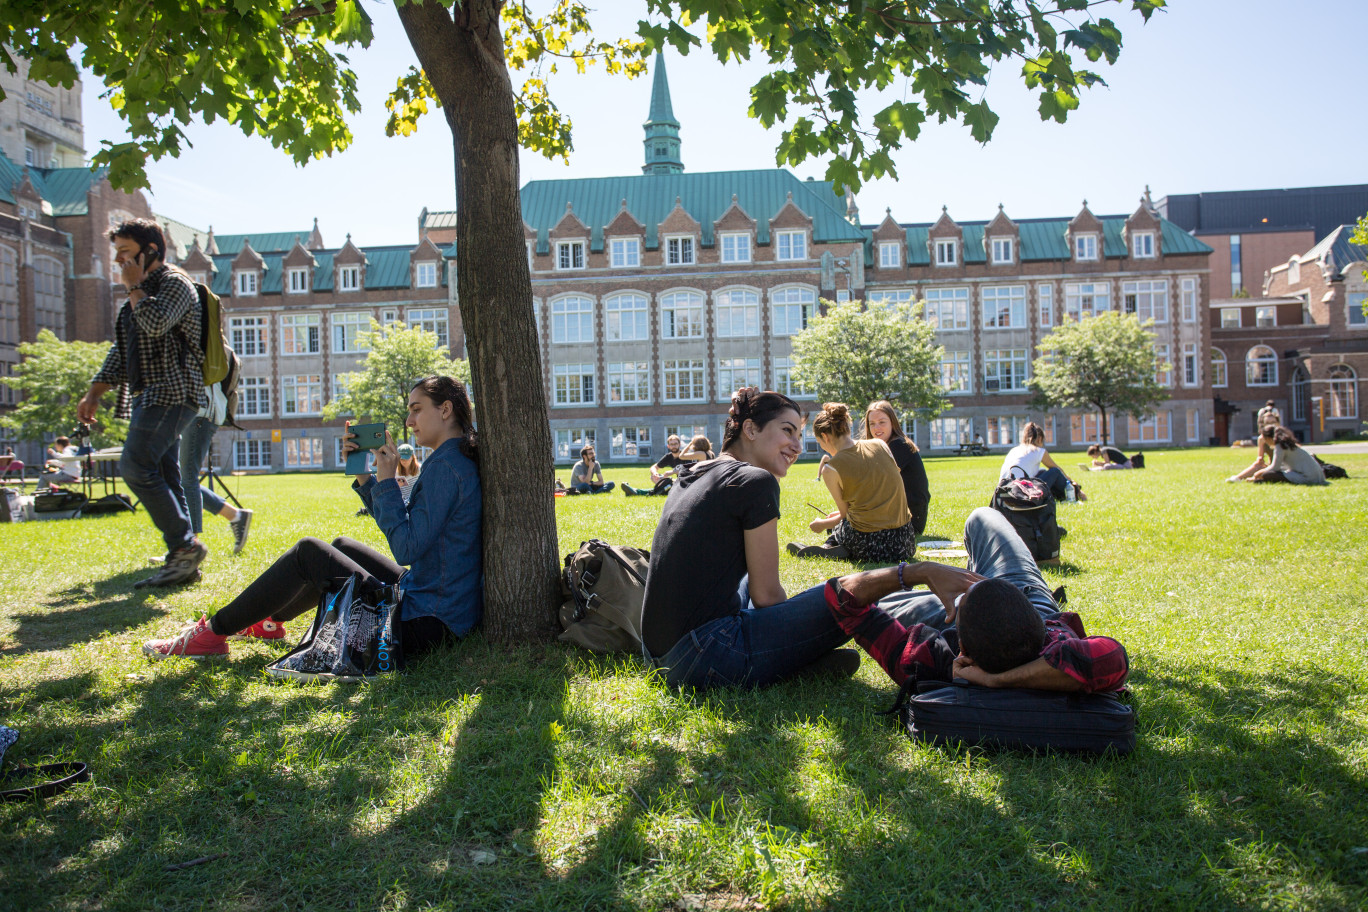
603	588
1030	508
1330	470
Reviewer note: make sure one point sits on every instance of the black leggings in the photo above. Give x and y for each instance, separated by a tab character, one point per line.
297	580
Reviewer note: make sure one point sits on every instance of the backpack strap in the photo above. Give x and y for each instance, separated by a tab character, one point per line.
68	775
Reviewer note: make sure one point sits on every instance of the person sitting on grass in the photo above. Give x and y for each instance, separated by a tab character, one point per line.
406	475
881	423
1106	457
437	534
663	472
1290	462
871	521
1034	460
1008	631
715	613
586	476
1261	460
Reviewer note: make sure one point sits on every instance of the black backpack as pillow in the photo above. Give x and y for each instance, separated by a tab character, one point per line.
1030	508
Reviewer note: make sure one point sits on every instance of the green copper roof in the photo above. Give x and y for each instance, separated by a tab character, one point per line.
1042	239
276	242
64	189
661	145
386	267
661	110
596	201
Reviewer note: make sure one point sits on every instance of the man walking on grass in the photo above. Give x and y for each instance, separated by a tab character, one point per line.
157	361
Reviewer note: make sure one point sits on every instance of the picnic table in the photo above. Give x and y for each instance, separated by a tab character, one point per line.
971	449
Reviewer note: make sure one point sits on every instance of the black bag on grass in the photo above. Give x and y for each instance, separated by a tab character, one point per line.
1030	508
1138	461
354	635
1330	470
603	588
1017	718
110	503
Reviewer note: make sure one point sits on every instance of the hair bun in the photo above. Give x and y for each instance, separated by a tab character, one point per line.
741	402
837	410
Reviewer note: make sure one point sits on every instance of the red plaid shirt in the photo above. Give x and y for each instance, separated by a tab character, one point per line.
1098	663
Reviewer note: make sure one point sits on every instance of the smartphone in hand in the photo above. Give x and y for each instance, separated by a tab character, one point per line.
366	437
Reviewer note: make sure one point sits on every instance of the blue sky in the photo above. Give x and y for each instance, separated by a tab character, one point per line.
1210	95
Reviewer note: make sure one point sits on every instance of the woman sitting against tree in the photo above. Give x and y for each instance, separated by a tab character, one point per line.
715	612
881	423
437	533
871	521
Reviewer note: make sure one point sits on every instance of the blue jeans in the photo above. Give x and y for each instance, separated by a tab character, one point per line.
1055	480
194	446
995	551
755	646
151	469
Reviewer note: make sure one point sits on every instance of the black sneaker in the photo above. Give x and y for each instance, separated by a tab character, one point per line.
629	490
181	567
835	552
240	525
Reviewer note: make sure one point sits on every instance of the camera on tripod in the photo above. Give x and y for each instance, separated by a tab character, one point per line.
80	438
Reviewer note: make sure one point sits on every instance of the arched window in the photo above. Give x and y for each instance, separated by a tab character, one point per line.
1343	392
1218	369
681	315
1261	367
572	319
793	307
1301	393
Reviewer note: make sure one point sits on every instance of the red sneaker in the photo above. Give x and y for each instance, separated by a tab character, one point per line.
261	630
197	641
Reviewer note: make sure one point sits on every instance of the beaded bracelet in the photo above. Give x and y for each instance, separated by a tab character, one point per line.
902	585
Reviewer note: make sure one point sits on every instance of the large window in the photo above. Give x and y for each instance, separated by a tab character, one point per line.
1261	367
629	382
1191	370
784	382
251	454
299	334
736	247
793	308
1355	315
737	312
955	375
890	296
572	319
947	433
433	319
570	255
1004	306
1086	299
683	380
1085	428
681	315
947	308
9	297
1004	370
624	253
679	251
340	386
1003	430
1343	392
626	318
1218	369
1045	301
254	397
345	329
1187	297
1194	425
1301	393
304	453
569	441
49	295
1151	430
301	394
630	442
1148	300
735	373
790	245
572	384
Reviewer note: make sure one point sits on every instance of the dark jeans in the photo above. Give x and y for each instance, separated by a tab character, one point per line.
585	487
295	583
194	446
150	466
1055	480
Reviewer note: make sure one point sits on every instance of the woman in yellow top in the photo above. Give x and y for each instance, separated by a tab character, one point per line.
871	521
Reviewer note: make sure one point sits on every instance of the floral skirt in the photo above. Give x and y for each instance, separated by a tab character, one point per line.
886	546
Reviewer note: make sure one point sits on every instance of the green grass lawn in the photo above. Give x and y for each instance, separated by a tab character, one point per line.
552	779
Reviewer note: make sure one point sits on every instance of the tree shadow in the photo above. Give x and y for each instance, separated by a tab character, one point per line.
82	613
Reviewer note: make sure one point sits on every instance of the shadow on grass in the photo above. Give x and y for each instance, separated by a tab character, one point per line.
81	613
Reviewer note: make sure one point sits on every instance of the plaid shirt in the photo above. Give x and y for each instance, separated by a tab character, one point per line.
166	328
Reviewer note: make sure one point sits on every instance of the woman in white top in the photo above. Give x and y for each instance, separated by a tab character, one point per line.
1032	458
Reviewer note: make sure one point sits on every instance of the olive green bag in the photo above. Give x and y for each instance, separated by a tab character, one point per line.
602	589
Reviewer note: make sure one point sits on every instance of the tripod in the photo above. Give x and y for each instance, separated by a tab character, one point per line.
210	478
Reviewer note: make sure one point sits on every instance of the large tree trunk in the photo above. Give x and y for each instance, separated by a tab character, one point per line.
464	61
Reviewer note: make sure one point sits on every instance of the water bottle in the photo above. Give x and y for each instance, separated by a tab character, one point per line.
1070	492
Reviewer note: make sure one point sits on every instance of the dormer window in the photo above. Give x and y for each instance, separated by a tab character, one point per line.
679	251
625	253
246	284
889	257
1142	245
790	245
570	255
1004	251
947	252
349	278
1085	248
297	279
199	278
736	247
425	275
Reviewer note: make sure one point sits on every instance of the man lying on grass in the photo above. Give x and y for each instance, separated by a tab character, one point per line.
1008	632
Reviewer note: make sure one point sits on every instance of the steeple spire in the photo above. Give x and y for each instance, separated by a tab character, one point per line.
662	130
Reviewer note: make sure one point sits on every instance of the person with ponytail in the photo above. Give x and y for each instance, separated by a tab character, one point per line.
871	521
437	534
715	613
881	423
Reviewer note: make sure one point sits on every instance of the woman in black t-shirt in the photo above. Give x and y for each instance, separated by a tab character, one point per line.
881	423
715	611
663	472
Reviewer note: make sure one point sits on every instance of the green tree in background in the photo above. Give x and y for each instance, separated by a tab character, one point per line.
1106	362
52	377
398	356
277	68
1360	237
858	356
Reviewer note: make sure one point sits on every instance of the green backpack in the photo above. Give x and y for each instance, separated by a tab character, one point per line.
216	351
602	588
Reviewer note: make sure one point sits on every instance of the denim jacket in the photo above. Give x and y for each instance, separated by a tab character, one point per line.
437	535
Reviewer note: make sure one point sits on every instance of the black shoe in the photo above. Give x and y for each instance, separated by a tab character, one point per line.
628	490
839	663
835	552
181	567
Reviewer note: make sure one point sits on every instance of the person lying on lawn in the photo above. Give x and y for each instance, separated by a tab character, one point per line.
437	533
1008	631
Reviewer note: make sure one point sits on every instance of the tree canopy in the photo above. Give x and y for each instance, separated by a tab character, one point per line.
52	377
1106	362
858	356
398	356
